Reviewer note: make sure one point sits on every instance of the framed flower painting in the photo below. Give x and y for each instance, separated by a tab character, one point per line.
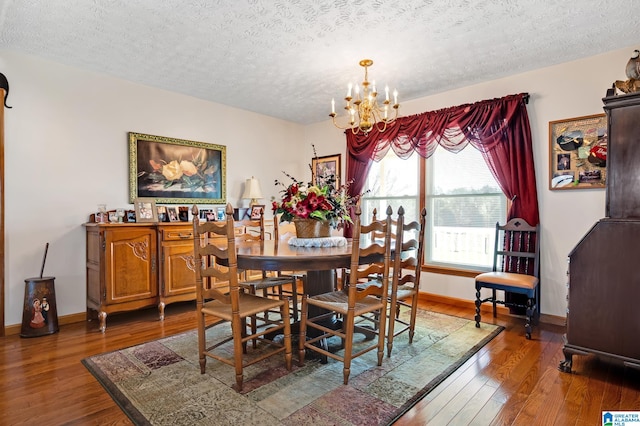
176	171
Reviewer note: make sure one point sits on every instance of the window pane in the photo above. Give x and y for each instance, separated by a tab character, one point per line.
464	203
392	181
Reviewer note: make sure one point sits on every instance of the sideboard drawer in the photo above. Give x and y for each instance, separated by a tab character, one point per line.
177	234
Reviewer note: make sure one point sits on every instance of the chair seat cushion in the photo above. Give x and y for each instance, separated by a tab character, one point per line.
249	305
337	301
508	279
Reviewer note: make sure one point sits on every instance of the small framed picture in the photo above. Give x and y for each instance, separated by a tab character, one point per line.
172	213
221	214
146	210
207	214
256	211
130	216
162	214
183	214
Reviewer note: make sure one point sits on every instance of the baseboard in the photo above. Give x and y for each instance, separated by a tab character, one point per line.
471	305
63	320
438	298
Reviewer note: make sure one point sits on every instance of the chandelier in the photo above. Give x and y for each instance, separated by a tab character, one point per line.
364	113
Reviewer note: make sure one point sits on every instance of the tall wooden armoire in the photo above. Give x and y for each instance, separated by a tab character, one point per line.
603	317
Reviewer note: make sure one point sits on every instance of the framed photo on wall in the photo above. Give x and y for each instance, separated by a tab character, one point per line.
176	171
578	152
326	169
145	210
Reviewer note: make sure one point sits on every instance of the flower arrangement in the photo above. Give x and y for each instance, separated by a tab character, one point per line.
320	201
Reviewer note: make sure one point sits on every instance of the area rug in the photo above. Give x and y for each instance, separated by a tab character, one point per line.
159	383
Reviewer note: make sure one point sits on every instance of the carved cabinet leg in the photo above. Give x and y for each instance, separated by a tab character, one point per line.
161	306
102	316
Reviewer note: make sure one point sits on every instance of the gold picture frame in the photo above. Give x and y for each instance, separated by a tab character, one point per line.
326	166
145	210
176	171
577	152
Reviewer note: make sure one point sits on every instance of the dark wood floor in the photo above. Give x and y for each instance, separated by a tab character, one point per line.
511	381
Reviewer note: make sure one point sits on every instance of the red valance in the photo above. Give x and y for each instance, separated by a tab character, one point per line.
499	128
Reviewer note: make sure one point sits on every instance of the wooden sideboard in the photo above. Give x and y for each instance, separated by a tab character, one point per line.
137	265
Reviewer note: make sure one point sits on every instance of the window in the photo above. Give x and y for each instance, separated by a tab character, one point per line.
395	182
463	203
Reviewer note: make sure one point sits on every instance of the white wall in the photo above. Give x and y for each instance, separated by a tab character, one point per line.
568	90
66	152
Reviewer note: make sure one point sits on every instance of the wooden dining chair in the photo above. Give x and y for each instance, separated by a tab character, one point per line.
268	283
367	258
218	296
516	269
405	282
408	241
282	233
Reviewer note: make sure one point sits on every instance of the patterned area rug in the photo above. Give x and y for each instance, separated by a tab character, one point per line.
159	383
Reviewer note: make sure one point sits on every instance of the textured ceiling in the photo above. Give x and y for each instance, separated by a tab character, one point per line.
289	58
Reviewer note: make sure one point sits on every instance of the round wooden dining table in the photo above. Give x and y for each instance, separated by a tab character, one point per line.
318	262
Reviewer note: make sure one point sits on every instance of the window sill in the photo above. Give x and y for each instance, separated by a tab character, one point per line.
469	273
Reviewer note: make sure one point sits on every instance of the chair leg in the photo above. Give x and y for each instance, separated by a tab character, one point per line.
414	312
495	307
236	330
294	297
394	306
201	341
529	315
254	321
478	303
348	327
302	336
382	326
284	312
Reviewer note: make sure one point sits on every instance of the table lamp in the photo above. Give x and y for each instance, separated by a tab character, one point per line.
252	190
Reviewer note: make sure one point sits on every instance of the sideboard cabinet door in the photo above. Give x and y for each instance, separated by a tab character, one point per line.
121	269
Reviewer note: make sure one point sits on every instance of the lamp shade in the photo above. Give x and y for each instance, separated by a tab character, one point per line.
252	190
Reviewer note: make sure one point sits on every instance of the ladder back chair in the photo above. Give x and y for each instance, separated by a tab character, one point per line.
405	283
268	283
218	296
282	233
516	269
367	258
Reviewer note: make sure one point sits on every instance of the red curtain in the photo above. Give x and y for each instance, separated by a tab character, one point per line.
499	128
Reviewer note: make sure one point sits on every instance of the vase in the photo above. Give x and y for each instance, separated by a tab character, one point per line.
311	228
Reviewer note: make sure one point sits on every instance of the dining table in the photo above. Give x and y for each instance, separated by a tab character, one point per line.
319	263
